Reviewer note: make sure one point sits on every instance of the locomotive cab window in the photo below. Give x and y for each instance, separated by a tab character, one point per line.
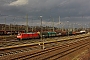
19	34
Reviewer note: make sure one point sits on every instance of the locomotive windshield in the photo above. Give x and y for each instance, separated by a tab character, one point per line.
19	34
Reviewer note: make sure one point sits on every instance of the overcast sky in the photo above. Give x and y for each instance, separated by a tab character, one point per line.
74	11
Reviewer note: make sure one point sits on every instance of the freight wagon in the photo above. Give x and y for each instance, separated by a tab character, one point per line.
64	33
48	34
27	36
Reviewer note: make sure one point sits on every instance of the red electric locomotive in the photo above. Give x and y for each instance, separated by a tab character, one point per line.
27	35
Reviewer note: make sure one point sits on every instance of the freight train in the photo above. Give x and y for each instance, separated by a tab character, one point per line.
33	35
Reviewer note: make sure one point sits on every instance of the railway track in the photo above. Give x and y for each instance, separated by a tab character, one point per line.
7	37
10	49
56	52
16	42
62	51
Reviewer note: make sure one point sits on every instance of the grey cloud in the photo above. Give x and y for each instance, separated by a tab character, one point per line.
72	6
74	9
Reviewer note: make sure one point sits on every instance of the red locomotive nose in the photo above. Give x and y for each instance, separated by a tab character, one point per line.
18	36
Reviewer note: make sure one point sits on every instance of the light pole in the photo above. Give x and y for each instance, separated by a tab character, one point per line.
53	24
73	27
5	26
27	24
41	27
68	27
14	26
32	25
59	22
41	32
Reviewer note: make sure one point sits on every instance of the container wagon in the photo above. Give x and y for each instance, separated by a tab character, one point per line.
49	34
